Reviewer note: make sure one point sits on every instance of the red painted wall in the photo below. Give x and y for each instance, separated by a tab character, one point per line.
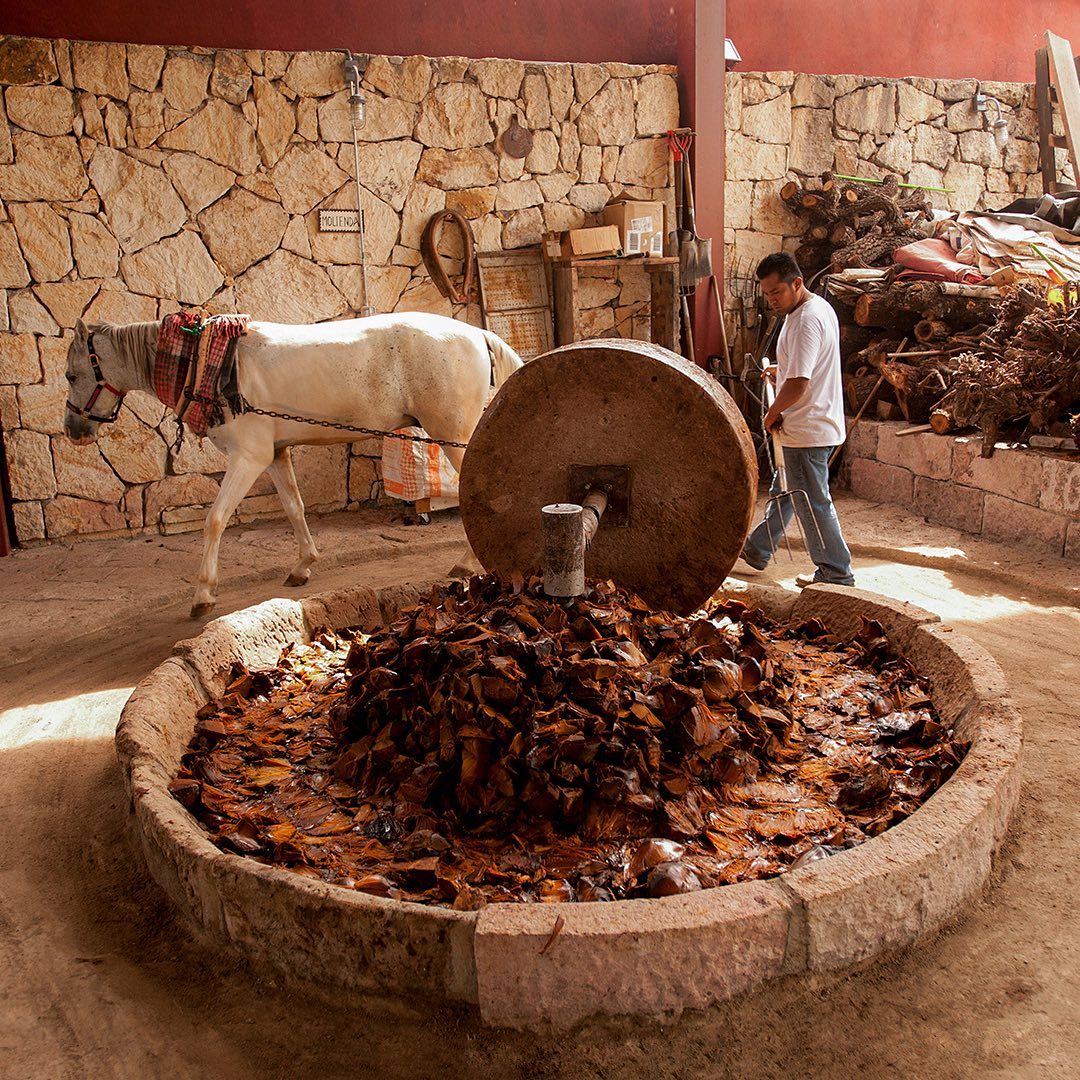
634	31
944	39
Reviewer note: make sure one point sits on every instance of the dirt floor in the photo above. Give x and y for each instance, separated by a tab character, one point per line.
98	979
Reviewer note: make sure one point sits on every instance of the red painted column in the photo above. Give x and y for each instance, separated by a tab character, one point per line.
701	78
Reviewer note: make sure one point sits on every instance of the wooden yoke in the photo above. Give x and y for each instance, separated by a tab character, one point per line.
429	250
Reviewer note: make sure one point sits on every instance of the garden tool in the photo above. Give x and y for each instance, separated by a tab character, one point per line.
725	370
695	253
783	491
679	143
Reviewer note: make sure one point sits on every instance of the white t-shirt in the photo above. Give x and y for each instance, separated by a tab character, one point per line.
809	348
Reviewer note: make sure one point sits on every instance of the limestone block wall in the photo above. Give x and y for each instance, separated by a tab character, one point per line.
136	179
782	125
1023	496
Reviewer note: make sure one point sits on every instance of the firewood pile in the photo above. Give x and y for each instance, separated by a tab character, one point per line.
1026	366
945	353
960	361
854	224
900	340
494	745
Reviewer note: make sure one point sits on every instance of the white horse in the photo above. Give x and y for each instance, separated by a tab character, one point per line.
383	372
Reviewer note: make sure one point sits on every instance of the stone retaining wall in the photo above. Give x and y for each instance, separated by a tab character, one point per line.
135	179
535	965
1018	495
782	126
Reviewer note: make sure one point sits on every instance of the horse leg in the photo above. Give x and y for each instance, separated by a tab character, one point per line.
242	472
281	472
455	455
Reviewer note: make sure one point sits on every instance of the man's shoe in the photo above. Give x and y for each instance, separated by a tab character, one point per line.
746	569
806	579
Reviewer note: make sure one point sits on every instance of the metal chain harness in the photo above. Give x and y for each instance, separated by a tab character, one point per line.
346	427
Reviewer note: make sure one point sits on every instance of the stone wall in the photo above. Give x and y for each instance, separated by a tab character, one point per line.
1020	495
781	126
136	179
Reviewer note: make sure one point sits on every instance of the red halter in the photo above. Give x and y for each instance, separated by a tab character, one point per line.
101	384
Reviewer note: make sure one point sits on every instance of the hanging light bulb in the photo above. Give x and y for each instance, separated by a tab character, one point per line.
1000	127
357	107
357	101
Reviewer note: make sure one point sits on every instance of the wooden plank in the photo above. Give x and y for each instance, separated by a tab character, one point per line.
1064	76
663	302
564	285
1044	111
621	260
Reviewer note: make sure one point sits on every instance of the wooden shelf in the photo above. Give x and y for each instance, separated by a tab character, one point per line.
663	296
629	260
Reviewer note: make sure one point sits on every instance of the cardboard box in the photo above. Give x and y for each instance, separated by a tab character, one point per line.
592	243
640	225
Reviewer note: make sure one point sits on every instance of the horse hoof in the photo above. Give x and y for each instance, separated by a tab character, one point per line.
296	580
199	610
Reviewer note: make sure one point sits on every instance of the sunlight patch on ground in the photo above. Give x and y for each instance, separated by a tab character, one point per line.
82	716
941	592
935	552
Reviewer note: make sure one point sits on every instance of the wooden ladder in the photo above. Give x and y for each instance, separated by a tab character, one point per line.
1057	79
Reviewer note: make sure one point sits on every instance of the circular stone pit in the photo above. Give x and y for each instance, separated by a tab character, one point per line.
508	959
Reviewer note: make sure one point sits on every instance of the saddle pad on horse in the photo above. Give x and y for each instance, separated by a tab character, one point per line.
193	351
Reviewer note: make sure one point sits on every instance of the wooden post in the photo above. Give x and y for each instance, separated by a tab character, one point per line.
663	295
1045	112
564	284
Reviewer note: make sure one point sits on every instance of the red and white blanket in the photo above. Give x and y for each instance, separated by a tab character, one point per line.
187	338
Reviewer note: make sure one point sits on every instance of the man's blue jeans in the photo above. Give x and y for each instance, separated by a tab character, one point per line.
807	470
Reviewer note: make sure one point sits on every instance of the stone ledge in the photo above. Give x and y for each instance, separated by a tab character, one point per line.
1017	492
254	636
698	948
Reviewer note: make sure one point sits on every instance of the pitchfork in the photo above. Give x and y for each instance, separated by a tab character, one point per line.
784	491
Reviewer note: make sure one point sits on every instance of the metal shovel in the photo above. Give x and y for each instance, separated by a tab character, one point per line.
691	272
695	253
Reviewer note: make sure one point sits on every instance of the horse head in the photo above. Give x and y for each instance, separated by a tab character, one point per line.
92	398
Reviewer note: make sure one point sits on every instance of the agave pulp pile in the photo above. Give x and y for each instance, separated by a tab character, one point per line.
494	745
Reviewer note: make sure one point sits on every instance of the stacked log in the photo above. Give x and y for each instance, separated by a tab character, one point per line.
915	378
914	332
854	224
1025	367
904	305
947	353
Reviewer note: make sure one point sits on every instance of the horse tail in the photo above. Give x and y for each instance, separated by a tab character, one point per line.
504	360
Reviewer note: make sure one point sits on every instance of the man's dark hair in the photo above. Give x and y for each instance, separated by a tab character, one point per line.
779	262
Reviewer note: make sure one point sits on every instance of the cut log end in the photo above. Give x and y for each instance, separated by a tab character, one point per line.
929	330
942	421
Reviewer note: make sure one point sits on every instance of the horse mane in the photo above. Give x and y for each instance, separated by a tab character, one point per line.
136	342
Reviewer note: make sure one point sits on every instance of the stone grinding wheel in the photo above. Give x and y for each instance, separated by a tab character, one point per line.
692	468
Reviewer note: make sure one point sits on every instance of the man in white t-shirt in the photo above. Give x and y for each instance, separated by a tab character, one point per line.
808	414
